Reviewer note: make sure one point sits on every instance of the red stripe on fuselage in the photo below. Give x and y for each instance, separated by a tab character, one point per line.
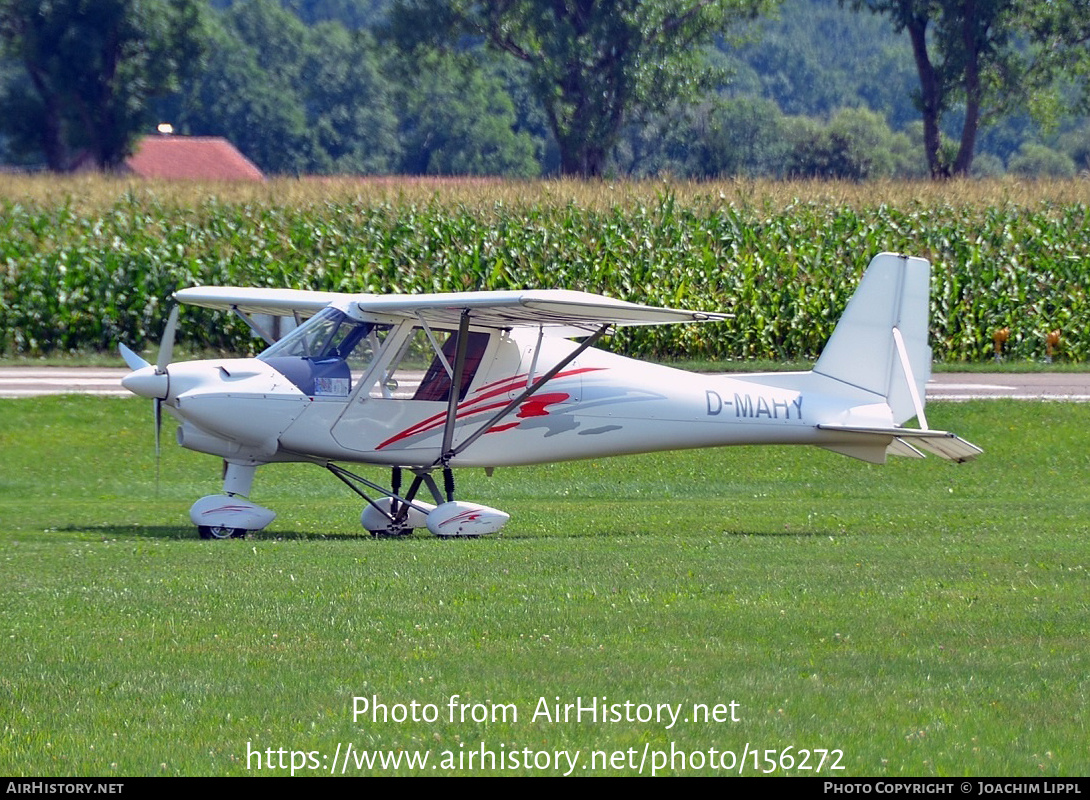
536	406
470	407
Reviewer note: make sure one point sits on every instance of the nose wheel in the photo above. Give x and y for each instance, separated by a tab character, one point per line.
226	516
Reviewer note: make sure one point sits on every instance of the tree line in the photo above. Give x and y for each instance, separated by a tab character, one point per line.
702	88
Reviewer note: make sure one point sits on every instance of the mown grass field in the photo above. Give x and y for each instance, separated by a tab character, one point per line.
922	618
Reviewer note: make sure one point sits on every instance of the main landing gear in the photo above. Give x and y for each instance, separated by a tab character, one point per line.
220	532
396	515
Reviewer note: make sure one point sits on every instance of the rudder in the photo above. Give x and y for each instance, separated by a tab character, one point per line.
891	303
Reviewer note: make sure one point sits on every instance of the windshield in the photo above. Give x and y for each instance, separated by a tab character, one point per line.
328	354
330	334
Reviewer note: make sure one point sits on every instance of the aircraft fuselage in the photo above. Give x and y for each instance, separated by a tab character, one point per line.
599	405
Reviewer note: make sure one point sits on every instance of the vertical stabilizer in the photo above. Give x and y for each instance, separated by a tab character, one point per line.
880	344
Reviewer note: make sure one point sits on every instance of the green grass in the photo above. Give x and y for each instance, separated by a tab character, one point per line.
924	618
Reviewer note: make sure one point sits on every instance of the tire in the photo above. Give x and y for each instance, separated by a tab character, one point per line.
400	533
220	532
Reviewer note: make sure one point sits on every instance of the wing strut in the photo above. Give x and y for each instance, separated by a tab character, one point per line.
449	452
537	350
435	345
252	323
455	387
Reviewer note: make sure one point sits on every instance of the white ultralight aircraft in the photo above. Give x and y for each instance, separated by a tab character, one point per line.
425	383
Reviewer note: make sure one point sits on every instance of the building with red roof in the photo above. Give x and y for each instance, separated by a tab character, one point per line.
210	158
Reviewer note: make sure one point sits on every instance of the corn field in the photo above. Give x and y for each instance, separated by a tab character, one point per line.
87	264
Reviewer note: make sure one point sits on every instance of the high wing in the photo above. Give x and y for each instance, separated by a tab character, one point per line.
559	312
276	302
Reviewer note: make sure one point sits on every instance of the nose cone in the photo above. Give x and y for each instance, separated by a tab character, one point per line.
146	382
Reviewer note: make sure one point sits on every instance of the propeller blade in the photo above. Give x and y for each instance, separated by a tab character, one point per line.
166	347
134	361
158	403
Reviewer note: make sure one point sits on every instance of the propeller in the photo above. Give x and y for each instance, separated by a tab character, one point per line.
154	384
166	352
134	361
166	344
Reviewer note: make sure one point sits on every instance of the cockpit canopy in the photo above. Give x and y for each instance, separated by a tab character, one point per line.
321	356
330	333
331	352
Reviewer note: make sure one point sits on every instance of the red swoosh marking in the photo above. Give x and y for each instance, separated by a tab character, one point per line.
487	392
536	406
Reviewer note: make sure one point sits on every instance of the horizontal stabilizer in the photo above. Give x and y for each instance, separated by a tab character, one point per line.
910	441
871	449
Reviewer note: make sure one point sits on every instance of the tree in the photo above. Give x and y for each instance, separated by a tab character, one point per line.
988	56
349	103
92	68
294	99
247	91
456	119
746	136
856	144
814	57
353	14
1038	161
724	137
592	63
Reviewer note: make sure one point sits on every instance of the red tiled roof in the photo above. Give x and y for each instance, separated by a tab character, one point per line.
193	157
